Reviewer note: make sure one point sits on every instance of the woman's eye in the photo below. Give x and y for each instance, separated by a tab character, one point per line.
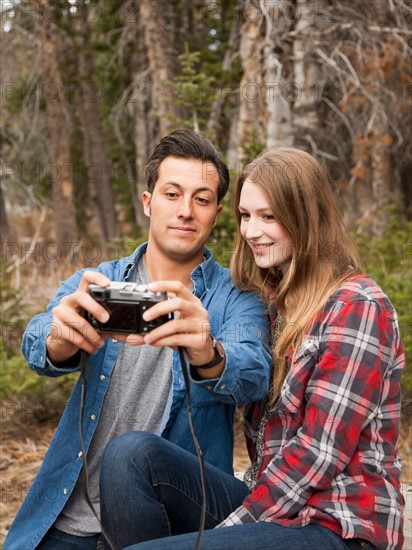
269	217
244	215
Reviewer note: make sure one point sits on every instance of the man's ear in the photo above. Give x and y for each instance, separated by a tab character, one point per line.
219	211
146	198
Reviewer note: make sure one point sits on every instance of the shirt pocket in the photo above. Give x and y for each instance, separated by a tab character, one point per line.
292	398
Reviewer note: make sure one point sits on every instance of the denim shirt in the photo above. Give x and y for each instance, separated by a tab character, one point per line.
237	319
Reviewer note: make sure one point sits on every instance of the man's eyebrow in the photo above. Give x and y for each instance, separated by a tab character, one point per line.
198	190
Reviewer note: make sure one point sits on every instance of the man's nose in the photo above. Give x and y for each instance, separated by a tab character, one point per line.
185	209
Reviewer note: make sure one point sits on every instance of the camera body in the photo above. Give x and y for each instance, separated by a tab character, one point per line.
126	303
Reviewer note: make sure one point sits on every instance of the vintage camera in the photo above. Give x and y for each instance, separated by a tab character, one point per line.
126	303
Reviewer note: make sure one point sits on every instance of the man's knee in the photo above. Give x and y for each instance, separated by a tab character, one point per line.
129	448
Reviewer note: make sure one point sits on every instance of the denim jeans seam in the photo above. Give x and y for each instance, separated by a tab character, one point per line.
169	527
157	484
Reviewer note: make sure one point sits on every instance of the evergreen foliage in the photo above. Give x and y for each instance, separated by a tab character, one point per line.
40	397
192	92
388	260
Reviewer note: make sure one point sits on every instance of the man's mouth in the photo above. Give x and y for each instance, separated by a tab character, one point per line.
182	228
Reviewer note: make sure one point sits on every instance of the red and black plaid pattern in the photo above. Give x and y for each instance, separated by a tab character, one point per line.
330	445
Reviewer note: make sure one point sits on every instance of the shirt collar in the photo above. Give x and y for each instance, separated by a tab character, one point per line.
202	275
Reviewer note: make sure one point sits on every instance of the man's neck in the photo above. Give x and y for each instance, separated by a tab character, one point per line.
161	268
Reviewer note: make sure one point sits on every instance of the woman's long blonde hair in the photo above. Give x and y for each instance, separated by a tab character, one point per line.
323	255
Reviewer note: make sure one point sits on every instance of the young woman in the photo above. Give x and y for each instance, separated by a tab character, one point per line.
325	471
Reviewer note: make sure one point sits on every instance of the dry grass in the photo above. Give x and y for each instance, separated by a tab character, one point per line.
22	450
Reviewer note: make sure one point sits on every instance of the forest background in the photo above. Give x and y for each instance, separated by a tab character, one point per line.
89	87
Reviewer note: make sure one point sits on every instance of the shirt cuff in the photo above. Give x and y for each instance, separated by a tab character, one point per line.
238	517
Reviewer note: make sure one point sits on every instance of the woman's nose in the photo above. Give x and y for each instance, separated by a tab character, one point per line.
253	229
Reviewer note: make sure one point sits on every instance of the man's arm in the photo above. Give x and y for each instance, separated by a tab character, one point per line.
244	333
189	329
70	332
52	340
243	373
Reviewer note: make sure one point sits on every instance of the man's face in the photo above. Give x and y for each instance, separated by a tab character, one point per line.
183	208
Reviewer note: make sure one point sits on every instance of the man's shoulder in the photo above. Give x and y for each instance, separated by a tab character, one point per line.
224	282
117	269
222	271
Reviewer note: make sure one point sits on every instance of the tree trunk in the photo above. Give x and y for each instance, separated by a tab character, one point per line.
266	88
159	53
5	234
59	129
308	78
250	84
233	143
95	150
383	191
141	104
279	86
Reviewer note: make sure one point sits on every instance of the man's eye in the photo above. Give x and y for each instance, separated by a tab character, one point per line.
171	195
202	200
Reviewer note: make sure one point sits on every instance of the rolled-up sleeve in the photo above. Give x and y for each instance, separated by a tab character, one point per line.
245	336
39	328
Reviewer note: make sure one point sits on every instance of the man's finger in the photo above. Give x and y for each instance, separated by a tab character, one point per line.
93	277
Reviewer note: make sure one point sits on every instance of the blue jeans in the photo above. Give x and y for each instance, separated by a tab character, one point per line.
55	539
151	489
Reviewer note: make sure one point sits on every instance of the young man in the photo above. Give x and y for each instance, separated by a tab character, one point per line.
137	382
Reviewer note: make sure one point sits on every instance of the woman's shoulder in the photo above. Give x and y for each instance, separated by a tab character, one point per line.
359	288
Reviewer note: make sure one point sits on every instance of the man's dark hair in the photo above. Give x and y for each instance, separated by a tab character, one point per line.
187	144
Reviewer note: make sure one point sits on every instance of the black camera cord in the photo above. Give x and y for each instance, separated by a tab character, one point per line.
198	448
85	367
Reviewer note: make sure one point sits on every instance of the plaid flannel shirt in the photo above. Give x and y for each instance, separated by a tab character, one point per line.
330	452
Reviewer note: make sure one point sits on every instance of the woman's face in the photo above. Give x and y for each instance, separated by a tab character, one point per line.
270	244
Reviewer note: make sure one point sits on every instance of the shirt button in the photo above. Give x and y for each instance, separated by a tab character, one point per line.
41	358
209	387
65	491
222	387
80	454
102	377
114	340
93	416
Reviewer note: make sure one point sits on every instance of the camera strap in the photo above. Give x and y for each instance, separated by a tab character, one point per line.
197	446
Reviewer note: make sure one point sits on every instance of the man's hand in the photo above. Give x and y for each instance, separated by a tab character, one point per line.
70	331
190	327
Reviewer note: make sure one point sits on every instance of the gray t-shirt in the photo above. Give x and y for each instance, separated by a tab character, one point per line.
138	398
